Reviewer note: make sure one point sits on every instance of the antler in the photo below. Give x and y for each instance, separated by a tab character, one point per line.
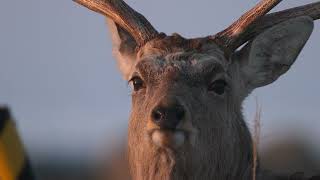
229	36
255	21
122	14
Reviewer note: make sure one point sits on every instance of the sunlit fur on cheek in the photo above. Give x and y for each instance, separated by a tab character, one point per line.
141	111
137	117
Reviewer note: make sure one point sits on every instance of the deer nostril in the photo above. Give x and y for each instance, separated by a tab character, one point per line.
180	113
157	116
168	117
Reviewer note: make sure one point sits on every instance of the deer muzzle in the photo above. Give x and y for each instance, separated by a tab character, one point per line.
169	125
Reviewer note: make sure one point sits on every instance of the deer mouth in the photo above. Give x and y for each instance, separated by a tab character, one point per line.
166	138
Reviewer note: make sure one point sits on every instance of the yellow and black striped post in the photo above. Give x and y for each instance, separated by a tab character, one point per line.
14	164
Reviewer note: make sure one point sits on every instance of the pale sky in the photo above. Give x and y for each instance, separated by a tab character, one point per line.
59	78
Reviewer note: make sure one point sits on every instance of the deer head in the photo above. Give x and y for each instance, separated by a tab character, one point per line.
186	120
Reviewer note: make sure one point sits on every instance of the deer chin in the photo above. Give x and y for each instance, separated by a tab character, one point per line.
171	139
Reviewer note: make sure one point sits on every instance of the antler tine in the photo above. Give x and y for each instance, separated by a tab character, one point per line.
122	14
229	36
312	10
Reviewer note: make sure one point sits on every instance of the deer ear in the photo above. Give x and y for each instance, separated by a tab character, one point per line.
124	48
272	52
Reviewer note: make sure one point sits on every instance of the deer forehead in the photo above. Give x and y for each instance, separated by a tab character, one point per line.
165	56
179	65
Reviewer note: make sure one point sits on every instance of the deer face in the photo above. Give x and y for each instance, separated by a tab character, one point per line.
187	93
173	88
185	103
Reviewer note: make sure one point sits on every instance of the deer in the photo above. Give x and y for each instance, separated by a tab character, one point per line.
186	119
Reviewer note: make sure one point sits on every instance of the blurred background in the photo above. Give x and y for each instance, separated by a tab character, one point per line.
71	105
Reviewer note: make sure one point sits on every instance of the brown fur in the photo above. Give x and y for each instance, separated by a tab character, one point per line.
218	144
223	146
211	140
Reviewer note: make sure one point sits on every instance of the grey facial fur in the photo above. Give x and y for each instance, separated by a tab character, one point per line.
217	143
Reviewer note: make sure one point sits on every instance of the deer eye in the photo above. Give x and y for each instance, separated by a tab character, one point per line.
137	83
218	86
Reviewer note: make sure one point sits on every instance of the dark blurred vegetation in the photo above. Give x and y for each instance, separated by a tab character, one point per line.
289	156
284	157
62	169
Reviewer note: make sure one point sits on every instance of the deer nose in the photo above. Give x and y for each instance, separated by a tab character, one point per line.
168	114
